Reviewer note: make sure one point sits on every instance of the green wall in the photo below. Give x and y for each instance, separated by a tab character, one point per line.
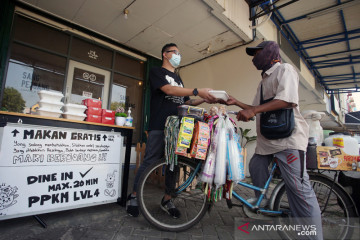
152	62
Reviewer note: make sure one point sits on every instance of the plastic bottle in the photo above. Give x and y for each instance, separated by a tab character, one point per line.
315	130
353	165
129	119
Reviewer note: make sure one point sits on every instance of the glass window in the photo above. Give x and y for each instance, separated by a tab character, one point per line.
129	66
91	53
30	71
40	35
128	92
86	83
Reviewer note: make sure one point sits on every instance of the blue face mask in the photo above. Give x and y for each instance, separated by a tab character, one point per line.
175	60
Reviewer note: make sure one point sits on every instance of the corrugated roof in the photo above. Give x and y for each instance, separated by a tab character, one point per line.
325	34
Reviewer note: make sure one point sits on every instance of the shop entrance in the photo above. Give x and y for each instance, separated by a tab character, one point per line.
86	81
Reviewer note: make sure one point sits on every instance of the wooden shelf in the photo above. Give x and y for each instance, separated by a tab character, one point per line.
62	119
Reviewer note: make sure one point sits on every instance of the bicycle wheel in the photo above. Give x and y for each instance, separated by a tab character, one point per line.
336	207
191	201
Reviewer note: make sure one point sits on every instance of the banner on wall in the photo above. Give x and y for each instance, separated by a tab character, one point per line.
47	169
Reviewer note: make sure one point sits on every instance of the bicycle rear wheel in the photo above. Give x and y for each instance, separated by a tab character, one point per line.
336	207
189	200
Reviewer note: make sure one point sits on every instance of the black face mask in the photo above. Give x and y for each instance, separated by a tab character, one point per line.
267	57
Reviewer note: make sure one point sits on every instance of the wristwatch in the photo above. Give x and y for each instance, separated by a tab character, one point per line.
195	92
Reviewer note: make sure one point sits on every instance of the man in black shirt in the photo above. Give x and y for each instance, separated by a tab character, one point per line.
167	93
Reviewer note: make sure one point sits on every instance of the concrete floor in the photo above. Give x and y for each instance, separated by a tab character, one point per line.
110	221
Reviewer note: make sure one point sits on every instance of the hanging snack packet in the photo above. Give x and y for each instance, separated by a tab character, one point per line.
200	141
185	133
181	151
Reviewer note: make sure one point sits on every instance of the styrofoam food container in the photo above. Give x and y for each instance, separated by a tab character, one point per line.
219	94
73	116
74	108
48	112
53	106
50	96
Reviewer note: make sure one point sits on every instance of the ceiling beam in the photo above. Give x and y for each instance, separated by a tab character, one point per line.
341	80
338	64
323	11
330	37
339	76
334	53
350	58
328	42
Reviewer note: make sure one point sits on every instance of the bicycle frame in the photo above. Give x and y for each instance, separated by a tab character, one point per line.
255	207
263	191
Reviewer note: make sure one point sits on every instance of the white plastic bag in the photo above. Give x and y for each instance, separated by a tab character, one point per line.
220	170
208	172
235	168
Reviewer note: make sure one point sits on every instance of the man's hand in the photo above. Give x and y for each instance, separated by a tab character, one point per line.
204	93
245	115
231	101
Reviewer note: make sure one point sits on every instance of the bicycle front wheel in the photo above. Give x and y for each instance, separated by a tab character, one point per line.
188	196
335	206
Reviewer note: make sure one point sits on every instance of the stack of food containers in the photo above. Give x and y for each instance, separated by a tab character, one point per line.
94	111
74	111
50	103
108	116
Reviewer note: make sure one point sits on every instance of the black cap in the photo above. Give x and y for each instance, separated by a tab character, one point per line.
251	50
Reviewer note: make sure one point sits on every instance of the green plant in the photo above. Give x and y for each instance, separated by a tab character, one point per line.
120	114
245	139
13	101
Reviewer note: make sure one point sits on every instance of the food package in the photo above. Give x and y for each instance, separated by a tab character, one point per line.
201	153
200	141
108	120
93	111
93	118
185	132
181	151
89	102
107	113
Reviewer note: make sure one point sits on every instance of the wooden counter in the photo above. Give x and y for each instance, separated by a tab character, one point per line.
14	114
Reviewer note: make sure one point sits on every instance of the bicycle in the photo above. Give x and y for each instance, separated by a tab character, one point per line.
190	199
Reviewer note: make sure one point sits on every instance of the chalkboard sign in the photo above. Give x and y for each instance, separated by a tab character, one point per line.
46	169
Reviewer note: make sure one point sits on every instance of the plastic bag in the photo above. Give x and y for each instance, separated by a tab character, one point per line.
208	172
241	165
233	153
220	170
